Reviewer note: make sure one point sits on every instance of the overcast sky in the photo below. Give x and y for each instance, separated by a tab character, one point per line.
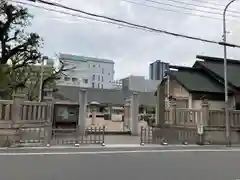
133	50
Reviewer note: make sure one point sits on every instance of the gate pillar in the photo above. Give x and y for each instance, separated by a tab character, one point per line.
82	110
134	114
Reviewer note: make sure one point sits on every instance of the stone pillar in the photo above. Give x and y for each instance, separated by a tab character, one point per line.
190	101
205	113
127	113
48	95
82	110
110	112
160	109
16	107
172	113
94	114
144	110
134	114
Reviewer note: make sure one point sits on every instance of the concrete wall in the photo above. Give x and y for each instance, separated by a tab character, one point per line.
218	136
140	84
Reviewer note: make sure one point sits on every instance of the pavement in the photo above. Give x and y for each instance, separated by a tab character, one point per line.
112	162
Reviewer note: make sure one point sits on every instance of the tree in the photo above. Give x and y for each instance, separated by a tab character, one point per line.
18	49
50	75
19	52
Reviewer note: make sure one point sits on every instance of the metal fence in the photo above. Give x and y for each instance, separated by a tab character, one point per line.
170	135
47	136
92	135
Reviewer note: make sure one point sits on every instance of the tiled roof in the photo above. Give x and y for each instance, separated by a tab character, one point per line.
106	96
215	65
196	80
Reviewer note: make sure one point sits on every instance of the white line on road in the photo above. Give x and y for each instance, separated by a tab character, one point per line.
118	152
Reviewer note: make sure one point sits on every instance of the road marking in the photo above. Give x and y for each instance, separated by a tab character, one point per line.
117	152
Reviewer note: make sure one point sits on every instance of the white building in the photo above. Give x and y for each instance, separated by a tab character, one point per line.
117	84
87	71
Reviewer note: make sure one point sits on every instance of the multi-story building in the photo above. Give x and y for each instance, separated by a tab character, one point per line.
157	70
140	84
87	71
117	84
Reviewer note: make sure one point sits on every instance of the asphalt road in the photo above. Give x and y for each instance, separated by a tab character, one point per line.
140	164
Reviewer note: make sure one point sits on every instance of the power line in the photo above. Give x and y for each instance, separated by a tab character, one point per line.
171	10
136	25
75	15
209	2
202	6
189	8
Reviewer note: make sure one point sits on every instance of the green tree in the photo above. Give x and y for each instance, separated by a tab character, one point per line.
19	51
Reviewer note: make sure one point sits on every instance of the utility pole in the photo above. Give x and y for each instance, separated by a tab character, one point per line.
41	78
228	128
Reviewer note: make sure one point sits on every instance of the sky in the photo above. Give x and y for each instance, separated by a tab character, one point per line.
131	49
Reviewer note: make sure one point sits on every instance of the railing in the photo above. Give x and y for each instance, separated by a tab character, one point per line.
182	116
217	118
30	111
235	118
5	110
36	111
188	116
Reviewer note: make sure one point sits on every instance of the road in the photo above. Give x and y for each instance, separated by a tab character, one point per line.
117	164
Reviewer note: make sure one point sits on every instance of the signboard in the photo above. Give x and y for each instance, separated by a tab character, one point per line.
67	114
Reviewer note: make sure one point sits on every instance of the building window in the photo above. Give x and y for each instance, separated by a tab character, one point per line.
98	78
108	73
66	78
99	65
85	81
93	65
102	70
98	85
102	86
102	78
74	79
93	85
93	77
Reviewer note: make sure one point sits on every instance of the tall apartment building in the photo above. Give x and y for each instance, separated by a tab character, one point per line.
87	71
157	70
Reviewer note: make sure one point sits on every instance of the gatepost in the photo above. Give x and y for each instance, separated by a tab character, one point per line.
82	110
204	118
134	114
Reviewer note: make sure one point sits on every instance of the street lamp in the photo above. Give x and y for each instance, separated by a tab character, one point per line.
225	74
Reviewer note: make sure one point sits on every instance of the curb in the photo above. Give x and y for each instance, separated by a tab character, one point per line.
98	147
